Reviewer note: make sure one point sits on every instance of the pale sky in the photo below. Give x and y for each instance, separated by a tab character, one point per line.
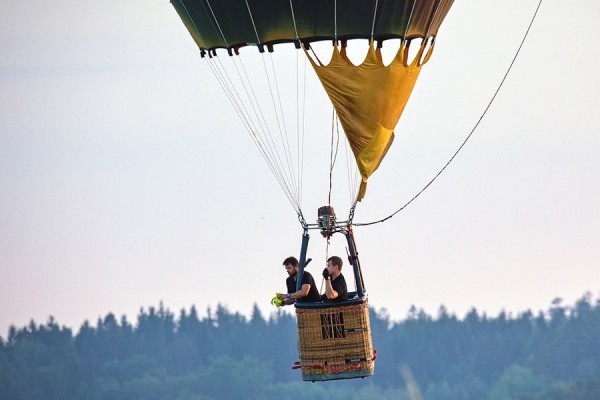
127	179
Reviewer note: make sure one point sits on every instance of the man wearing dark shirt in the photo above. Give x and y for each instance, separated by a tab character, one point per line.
335	284
308	291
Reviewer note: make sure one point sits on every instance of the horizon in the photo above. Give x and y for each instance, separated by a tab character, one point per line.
509	315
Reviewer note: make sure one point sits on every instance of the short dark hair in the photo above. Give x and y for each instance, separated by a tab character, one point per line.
291	261
335	260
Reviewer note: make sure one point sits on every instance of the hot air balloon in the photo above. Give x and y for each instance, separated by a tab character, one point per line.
334	340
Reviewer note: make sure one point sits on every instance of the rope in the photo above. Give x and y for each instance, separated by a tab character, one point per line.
257	127
265	141
283	133
331	164
299	136
223	78
253	24
412	9
294	19
216	22
300	119
301	171
298	148
374	17
264	126
472	130
335	20
332	160
278	113
284	176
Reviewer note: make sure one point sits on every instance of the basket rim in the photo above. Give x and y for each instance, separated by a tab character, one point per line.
354	300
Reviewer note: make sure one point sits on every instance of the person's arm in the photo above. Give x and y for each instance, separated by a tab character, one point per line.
329	291
303	292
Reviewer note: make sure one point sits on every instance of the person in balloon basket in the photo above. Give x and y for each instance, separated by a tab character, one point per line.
335	283
308	291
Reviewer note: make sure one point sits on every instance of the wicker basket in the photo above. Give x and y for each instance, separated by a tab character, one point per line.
334	341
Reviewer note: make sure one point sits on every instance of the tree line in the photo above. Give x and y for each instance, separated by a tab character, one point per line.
551	355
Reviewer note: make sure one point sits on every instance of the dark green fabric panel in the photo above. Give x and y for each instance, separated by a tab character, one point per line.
355	17
229	23
273	20
314	18
194	15
392	17
233	20
189	23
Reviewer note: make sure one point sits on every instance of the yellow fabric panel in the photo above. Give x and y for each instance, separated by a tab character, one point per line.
369	100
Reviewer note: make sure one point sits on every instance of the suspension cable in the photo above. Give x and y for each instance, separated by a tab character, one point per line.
299	131
410	16
274	89
263	143
332	158
229	89
468	136
265	140
282	123
332	154
374	19
301	169
257	127
216	22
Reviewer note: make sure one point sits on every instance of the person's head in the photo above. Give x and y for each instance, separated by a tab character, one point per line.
291	266
334	266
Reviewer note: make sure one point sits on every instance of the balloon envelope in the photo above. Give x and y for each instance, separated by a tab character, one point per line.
368	98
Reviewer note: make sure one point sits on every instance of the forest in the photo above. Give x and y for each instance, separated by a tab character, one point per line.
549	355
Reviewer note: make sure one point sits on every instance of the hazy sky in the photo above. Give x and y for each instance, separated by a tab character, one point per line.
126	178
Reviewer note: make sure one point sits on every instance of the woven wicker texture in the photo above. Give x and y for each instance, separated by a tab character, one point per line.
335	341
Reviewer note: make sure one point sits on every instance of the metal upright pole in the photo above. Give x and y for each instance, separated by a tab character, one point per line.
360	290
302	260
